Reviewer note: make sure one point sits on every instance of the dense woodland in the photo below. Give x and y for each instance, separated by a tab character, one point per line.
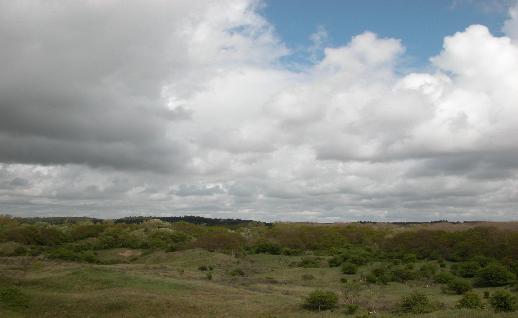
459	259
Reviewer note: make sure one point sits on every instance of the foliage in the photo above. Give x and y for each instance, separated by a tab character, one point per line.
503	301
13	298
459	286
444	278
494	275
349	268
416	303
470	300
321	300
351	309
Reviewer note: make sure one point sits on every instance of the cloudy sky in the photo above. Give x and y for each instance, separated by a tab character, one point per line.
268	110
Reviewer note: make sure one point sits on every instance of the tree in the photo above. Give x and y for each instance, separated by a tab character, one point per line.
503	301
494	275
321	300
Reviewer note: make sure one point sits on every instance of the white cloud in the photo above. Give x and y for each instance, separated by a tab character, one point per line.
190	110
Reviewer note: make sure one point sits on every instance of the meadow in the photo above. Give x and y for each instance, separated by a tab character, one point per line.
144	267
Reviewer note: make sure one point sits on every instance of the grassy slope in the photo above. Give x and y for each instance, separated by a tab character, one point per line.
170	285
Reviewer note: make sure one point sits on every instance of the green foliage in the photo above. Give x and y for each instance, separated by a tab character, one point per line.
459	286
335	261
13	298
444	278
268	248
503	301
68	253
349	268
467	269
416	303
402	274
427	270
321	300
351	309
309	262
494	275
292	251
470	300
237	272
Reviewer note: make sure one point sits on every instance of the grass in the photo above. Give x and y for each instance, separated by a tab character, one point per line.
163	284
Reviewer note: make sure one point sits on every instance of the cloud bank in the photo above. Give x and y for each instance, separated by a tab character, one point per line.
113	108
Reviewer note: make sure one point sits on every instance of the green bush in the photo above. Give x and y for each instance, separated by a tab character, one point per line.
494	275
237	272
402	274
309	262
351	309
13	298
292	251
267	248
416	303
321	300
335	261
349	268
427	270
444	278
470	300
503	301
459	286
467	269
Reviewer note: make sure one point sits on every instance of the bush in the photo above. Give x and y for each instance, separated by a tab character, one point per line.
416	303
493	276
351	309
444	278
267	248
308	277
427	270
503	301
402	274
13	298
349	268
459	286
467	269
335	261
470	300
309	262
321	300
237	272
292	251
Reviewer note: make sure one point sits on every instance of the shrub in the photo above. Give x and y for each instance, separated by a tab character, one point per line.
292	251
402	274
208	276
349	268
459	286
503	301
444	278
237	272
203	268
309	262
335	261
428	270
470	300
351	309
467	269
487	294
13	298
416	303
493	276
321	300
308	277
267	248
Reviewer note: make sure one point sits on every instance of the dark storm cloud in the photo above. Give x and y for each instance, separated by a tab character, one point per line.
81	83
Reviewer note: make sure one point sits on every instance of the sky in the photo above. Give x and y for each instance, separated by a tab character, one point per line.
287	110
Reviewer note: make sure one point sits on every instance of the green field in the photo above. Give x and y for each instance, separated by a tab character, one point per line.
218	282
